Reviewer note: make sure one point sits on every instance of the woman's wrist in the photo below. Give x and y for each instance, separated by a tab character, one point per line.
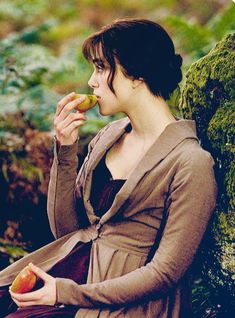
68	143
65	153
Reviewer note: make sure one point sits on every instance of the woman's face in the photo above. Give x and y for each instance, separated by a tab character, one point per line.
109	103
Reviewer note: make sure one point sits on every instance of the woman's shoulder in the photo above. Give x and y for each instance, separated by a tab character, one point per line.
192	155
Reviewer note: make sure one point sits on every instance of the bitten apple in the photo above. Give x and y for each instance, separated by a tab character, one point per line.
24	281
88	103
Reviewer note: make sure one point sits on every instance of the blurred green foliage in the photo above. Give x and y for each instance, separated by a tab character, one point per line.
40	53
12	252
196	39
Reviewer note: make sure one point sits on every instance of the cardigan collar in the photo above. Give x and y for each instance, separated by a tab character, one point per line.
173	134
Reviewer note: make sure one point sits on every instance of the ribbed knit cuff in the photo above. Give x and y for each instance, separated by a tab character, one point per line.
65	153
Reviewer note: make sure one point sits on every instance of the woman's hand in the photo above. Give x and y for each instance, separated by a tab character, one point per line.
66	123
43	296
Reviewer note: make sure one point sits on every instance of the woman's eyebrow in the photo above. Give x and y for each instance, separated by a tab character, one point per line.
97	61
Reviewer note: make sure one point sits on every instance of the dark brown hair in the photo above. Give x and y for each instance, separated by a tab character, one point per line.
142	48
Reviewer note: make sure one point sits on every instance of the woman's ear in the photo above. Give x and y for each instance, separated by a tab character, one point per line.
136	82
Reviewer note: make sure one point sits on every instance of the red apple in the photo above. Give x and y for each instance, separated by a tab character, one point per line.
24	281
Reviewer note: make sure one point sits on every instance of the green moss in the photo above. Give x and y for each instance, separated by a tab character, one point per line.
221	129
208	97
225	227
221	136
219	264
230	185
209	83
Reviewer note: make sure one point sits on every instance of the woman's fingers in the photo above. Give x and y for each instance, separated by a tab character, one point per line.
16	302
44	296
39	272
25	304
68	120
67	131
63	102
32	296
21	303
67	108
64	130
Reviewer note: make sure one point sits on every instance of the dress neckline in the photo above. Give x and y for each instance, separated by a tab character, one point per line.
109	172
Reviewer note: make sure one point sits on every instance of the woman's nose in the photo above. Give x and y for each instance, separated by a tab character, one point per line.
92	82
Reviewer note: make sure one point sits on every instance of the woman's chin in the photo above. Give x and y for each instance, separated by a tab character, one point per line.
107	111
104	112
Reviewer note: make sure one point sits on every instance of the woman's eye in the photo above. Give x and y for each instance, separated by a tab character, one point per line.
99	68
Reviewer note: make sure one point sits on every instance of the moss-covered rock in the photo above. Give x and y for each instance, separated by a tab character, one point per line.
221	138
220	267
208	97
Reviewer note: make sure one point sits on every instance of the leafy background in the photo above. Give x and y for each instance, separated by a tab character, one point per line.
40	61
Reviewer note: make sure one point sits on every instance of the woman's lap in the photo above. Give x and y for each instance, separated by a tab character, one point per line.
6	304
9	309
77	261
44	311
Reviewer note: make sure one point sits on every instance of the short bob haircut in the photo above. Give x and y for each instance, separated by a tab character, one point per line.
144	51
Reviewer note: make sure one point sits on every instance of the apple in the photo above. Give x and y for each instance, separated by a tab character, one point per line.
24	281
88	103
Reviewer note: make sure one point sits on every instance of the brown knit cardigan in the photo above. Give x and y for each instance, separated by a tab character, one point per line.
174	177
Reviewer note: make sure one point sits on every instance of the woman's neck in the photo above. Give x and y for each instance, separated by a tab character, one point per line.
149	117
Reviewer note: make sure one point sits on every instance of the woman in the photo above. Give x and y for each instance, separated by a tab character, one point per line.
145	179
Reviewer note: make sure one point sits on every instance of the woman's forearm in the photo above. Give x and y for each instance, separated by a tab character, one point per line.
61	200
62	204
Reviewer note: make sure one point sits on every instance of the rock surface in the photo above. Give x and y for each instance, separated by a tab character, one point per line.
208	97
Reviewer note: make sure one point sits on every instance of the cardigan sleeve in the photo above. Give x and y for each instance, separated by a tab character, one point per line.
62	204
192	199
60	201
